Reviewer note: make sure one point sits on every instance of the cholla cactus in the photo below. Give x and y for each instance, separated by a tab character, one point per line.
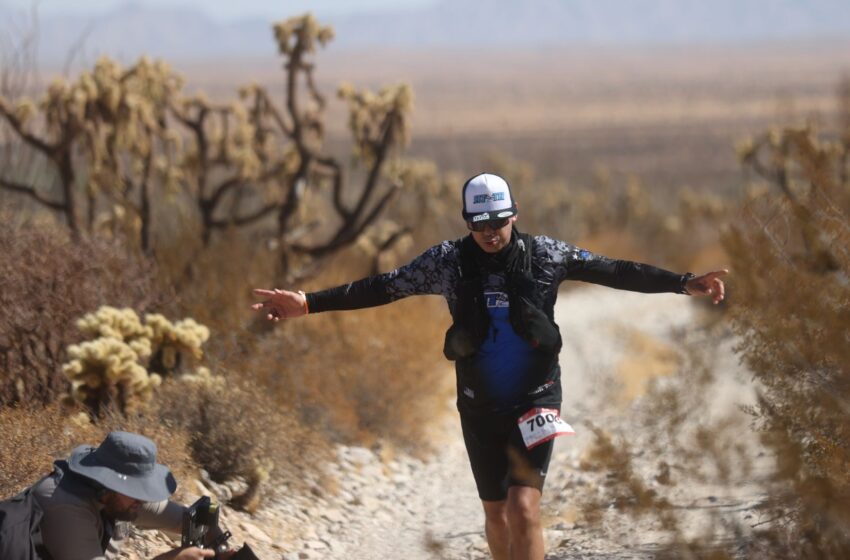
175	341
118	324
125	360
105	371
204	377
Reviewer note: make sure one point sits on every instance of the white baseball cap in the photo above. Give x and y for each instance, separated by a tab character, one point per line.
487	197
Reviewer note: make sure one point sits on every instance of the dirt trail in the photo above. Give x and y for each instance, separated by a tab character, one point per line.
614	342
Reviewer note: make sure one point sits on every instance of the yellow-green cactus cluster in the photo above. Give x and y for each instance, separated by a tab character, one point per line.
118	324
204	377
186	336
107	370
113	366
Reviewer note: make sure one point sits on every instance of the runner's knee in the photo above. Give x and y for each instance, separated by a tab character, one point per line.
496	513
523	507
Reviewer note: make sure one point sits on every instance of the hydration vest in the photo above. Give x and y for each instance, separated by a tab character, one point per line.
471	318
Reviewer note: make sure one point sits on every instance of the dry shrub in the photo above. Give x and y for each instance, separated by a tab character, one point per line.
791	252
237	430
789	249
626	489
48	282
226	439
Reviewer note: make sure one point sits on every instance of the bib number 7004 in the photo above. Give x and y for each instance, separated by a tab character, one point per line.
539	425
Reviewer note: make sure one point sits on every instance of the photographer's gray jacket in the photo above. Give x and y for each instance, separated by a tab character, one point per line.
73	526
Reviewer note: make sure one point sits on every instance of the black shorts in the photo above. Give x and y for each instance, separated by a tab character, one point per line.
499	458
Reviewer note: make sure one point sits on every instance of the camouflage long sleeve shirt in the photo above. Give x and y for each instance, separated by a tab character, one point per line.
504	376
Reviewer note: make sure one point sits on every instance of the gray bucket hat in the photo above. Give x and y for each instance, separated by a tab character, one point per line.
125	463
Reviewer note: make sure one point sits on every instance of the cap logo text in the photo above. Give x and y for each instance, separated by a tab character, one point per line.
481	198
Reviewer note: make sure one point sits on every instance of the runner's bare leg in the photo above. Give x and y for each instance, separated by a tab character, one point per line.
526	530
496	529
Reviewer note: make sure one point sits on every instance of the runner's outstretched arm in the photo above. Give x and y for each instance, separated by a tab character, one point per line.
432	273
639	277
368	292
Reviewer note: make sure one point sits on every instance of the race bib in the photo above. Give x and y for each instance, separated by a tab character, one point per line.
542	424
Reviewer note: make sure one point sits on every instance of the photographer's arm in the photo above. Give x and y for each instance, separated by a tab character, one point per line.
165	515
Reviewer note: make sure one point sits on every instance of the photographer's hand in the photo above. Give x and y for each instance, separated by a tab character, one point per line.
189	553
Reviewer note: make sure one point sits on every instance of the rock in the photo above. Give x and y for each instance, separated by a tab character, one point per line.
337	547
202	490
333	515
401	479
309	533
359	456
255	533
315	545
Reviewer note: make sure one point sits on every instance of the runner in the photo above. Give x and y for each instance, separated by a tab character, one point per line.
501	287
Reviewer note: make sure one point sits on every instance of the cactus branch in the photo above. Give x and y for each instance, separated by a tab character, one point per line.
32	193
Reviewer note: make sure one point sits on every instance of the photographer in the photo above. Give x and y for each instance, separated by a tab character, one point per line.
91	498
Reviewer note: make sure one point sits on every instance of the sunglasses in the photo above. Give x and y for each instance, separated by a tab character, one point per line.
493	224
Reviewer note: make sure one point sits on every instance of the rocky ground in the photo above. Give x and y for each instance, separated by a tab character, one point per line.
621	351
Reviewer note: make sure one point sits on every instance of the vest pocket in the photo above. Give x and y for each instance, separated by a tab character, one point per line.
459	343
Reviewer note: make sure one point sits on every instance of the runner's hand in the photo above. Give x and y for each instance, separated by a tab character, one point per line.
708	284
281	304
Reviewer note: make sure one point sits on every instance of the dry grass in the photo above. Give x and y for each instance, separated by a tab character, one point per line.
35	436
364	376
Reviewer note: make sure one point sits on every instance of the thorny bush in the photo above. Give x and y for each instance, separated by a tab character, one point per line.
791	253
48	282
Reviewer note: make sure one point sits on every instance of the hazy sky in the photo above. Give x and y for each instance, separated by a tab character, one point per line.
223	9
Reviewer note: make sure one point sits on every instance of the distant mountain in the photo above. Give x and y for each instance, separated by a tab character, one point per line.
184	33
615	22
132	30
